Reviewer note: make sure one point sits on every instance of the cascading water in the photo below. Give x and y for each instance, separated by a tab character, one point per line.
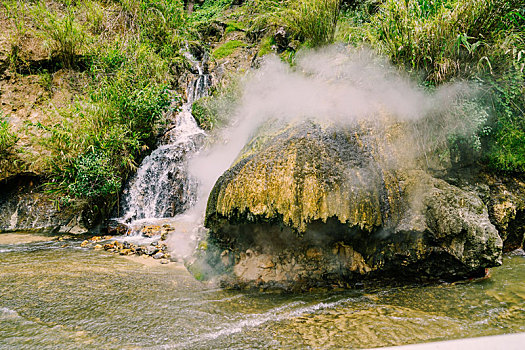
162	186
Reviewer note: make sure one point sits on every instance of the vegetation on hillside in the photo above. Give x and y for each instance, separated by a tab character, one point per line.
128	55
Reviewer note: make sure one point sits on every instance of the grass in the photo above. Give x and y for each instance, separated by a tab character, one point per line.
64	36
447	40
7	138
227	48
312	21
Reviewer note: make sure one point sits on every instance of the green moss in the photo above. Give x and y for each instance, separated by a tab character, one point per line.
227	48
304	173
204	114
233	27
265	47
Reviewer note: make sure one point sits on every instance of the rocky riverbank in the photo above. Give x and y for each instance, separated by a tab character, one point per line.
149	242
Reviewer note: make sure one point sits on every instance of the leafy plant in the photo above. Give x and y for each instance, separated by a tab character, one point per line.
94	176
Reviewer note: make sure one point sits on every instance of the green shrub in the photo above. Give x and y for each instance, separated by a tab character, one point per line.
265	46
227	48
506	142
94	176
209	10
204	113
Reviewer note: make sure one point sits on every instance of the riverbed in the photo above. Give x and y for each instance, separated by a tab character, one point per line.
56	295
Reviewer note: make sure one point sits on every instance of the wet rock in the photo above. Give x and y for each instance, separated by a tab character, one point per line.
98	247
151	230
158	255
117	228
118	245
126	252
281	39
164	232
25	207
313	203
150	250
164	261
504	197
84	243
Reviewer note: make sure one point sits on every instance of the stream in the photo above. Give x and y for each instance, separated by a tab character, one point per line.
56	295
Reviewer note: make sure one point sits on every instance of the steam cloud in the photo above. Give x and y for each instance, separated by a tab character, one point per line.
335	84
332	84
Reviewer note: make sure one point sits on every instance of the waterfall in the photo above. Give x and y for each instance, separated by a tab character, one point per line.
162	187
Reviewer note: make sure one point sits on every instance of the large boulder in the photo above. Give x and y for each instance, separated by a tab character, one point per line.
24	206
316	203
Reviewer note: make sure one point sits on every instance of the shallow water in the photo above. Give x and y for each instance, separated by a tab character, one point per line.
56	298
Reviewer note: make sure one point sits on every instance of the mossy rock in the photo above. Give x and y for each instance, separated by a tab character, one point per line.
318	185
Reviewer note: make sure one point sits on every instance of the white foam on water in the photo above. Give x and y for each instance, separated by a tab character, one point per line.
277	314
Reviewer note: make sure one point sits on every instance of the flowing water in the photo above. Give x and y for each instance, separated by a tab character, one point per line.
55	297
162	186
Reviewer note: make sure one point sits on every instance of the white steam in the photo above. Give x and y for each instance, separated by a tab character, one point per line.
333	84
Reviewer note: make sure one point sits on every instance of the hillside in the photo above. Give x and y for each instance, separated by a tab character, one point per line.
85	85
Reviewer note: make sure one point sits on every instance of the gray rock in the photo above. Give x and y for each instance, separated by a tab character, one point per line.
150	250
158	255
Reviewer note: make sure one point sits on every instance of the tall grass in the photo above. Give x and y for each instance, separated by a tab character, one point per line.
7	138
447	38
313	21
63	34
15	10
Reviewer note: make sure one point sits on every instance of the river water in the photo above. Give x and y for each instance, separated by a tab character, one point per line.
56	297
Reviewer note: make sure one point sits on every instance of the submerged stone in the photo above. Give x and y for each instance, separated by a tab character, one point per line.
315	204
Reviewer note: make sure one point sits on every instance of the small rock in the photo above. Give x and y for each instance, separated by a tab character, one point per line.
98	247
85	243
164	261
95	239
125	252
150	231
158	255
150	250
108	246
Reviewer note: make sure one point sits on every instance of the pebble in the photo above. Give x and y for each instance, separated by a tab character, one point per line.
125	252
159	255
158	252
150	250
